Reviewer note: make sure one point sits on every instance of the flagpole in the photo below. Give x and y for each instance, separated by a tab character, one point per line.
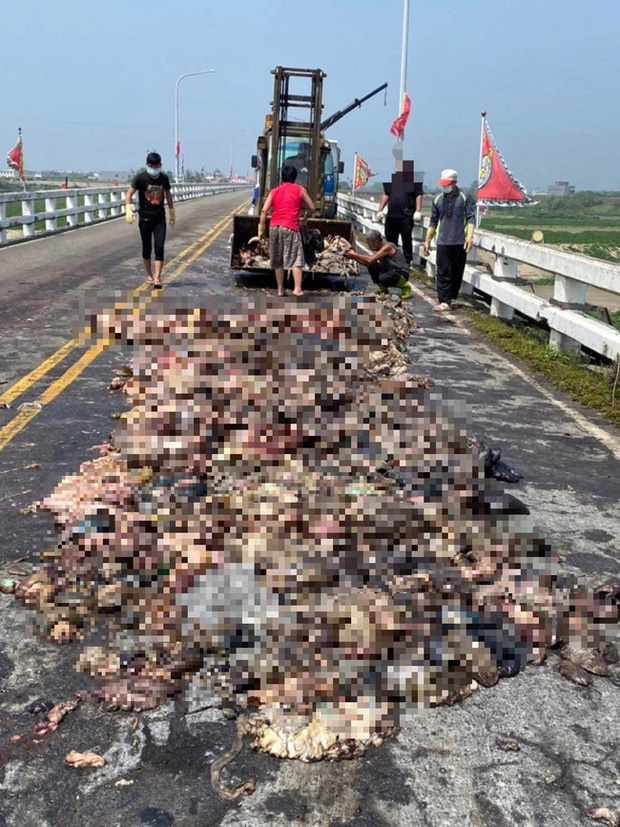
403	56
397	149
483	118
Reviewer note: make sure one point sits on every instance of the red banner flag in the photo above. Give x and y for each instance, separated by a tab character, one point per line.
398	125
361	173
15	158
497	186
177	149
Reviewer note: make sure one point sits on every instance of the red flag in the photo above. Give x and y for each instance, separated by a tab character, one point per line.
398	125
496	184
361	173
15	158
177	149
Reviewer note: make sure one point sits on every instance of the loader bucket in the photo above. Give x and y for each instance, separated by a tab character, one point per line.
245	227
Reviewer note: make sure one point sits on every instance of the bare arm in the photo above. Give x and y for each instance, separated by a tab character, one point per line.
418	203
262	222
308	203
383	203
386	250
129	195
169	199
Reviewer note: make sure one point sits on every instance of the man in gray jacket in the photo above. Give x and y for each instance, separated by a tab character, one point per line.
453	219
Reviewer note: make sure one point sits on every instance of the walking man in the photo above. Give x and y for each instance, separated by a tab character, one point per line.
453	219
152	186
403	196
386	264
286	250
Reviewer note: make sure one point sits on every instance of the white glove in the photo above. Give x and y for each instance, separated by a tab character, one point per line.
417	217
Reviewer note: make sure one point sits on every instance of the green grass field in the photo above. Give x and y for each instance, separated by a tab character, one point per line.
587	223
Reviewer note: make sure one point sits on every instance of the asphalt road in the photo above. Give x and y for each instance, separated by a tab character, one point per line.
445	768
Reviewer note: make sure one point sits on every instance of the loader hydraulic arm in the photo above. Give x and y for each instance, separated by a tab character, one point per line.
342	112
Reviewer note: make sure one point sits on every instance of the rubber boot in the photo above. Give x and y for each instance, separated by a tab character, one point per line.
405	288
380	290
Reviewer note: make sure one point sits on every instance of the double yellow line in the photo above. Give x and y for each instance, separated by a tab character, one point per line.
23	417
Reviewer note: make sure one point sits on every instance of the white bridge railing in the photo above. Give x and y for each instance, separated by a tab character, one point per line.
570	326
42	212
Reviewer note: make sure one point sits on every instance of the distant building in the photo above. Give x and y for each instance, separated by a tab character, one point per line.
561	189
8	173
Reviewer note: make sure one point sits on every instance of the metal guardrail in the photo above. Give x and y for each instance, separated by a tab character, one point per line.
570	327
89	204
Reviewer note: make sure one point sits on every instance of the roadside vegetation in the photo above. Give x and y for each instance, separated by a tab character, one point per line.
587	382
566	372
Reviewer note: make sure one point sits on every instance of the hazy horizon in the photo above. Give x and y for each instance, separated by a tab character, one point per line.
93	85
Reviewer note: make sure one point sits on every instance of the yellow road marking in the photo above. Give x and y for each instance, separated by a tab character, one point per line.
12	428
27	381
30	378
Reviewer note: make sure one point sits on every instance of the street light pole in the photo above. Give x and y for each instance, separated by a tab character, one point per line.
177	146
240	135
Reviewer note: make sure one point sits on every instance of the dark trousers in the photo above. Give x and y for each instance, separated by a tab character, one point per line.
402	227
153	230
381	274
450	263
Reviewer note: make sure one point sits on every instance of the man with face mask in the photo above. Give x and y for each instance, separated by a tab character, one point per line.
152	187
453	218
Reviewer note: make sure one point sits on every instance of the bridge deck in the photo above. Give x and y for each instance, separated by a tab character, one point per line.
445	767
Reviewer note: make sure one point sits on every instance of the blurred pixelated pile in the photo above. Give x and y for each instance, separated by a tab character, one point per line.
292	515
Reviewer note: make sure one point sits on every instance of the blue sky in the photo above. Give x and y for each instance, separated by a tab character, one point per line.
92	82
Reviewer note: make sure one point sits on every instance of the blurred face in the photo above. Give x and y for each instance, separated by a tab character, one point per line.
375	244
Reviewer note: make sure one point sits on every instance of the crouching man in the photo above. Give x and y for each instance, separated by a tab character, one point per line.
386	264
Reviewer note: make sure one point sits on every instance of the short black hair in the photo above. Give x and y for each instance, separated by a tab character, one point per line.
289	174
153	159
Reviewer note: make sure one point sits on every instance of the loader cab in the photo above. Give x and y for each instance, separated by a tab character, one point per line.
333	169
297	152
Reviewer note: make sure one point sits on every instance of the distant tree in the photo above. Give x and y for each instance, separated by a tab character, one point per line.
473	187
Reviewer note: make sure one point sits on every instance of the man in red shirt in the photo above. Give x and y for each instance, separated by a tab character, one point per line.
286	251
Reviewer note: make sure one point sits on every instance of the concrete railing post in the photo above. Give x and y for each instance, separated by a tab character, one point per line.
2	217
28	211
115	203
567	293
51	224
89	201
72	204
506	270
102	200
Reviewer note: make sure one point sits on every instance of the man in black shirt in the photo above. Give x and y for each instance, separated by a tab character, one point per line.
152	186
403	196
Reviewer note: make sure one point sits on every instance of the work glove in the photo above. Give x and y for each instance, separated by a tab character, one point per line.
417	217
172	218
261	230
129	214
469	241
